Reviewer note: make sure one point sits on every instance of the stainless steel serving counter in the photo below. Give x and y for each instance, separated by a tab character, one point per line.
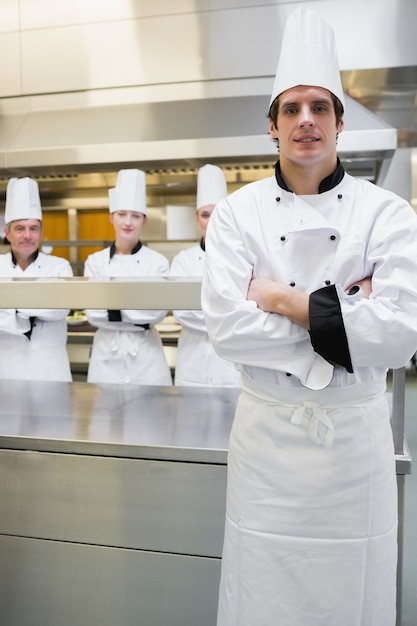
112	503
188	424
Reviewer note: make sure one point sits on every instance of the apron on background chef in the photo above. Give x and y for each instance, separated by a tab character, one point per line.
197	363
32	341
126	347
311	515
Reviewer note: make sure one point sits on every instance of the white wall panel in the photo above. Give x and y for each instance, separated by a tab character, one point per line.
245	42
50	13
10	130
10	84
54	60
370	34
133	52
148	51
9	15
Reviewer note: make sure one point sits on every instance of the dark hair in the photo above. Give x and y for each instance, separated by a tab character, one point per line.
274	108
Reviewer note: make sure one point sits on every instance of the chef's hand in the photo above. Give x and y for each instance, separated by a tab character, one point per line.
365	284
275	297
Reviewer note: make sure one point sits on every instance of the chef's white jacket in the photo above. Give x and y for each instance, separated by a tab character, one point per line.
320	244
33	341
127	348
311	533
197	363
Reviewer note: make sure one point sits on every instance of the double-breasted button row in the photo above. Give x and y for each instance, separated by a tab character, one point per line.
327	282
332	238
339	197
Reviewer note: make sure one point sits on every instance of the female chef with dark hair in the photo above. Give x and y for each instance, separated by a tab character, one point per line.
127	348
310	288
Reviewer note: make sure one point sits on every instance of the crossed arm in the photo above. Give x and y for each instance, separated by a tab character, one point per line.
275	297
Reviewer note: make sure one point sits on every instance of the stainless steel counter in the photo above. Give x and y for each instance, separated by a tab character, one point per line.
112	503
130	421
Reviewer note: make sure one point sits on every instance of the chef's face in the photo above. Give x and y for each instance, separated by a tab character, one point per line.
203	216
127	225
306	126
24	237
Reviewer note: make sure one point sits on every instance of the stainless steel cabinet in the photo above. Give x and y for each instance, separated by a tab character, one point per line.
112	504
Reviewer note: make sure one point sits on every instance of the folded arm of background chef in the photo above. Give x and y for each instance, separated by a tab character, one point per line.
320	245
19	321
144	263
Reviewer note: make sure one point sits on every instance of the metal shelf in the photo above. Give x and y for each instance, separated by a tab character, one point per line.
89	293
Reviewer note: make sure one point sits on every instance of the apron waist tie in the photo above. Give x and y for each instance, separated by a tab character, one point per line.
312	414
319	426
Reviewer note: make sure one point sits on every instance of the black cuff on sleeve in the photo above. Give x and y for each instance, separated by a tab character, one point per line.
114	315
327	330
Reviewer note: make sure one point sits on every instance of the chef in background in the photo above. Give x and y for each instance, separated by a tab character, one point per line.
197	363
32	341
127	348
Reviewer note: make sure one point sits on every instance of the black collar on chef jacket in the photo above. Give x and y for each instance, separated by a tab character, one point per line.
35	256
115	315
326	184
135	249
202	244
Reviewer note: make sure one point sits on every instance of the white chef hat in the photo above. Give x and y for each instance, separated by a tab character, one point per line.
22	200
308	55
129	193
211	185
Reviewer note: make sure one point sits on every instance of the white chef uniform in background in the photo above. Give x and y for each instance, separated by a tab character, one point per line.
311	520
127	348
32	341
197	363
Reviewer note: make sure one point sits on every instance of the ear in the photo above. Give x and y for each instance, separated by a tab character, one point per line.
111	220
341	125
273	130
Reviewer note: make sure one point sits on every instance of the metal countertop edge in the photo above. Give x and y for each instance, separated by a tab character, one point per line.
141	451
114	450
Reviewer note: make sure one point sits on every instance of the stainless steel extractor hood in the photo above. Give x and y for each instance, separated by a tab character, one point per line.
169	135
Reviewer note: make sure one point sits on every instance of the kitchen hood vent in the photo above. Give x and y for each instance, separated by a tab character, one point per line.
156	136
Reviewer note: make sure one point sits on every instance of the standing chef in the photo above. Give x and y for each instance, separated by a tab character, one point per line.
32	341
127	348
310	287
197	363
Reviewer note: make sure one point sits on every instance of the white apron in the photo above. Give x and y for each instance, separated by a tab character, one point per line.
311	523
44	356
125	356
123	351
